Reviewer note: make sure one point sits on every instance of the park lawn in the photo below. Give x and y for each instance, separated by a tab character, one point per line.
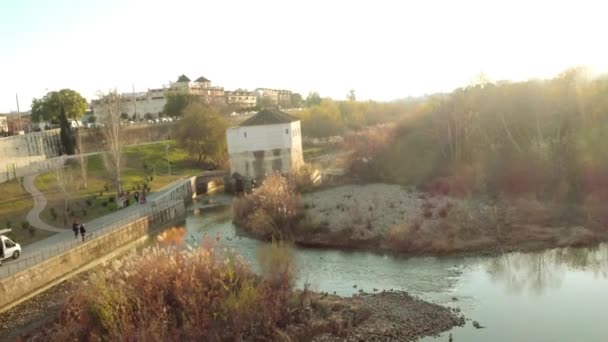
15	203
98	198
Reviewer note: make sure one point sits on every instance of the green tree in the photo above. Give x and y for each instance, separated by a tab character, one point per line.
313	99
49	107
202	132
66	135
296	100
177	103
351	95
323	120
148	116
92	119
124	116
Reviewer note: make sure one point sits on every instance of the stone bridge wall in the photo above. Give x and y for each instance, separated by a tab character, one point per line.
27	282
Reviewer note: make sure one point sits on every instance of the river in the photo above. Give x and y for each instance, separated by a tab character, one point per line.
555	295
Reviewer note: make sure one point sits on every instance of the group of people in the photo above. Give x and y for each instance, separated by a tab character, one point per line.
78	228
141	199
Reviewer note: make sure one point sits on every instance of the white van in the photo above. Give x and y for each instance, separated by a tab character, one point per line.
8	248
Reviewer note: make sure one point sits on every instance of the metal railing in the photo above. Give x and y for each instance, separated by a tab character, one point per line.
12	267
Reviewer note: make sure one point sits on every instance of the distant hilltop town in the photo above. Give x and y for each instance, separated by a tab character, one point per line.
152	102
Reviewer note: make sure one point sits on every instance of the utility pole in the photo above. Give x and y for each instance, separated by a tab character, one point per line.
18	114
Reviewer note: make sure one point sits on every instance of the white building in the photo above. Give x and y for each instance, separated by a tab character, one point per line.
153	101
269	141
241	98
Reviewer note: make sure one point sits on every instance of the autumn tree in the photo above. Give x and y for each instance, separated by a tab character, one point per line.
202	132
49	107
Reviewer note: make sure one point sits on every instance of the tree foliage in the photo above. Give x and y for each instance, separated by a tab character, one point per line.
49	107
313	99
202	132
177	103
540	138
112	104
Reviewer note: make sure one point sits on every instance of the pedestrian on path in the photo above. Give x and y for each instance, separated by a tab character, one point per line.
136	196
75	227
82	230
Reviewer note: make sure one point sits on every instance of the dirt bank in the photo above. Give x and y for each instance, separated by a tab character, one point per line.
391	218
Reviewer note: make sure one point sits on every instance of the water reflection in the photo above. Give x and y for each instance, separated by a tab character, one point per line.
545	270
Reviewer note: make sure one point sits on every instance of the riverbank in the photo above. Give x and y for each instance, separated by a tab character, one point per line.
390	218
386	316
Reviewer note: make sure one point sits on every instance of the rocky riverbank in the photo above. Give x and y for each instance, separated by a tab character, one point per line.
395	316
34	313
386	316
386	217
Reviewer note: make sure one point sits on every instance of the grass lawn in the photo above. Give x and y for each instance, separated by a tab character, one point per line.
15	203
98	198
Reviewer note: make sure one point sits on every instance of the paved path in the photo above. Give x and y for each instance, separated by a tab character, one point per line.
33	217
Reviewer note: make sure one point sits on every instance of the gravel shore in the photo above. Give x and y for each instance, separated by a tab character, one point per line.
396	316
34	313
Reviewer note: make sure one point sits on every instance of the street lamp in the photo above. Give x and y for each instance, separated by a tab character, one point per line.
168	161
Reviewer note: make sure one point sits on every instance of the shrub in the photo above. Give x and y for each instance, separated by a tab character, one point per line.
104	204
8	224
25	225
196	295
111	199
88	202
32	231
276	199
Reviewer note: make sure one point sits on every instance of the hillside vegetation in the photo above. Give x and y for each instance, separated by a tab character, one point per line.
537	139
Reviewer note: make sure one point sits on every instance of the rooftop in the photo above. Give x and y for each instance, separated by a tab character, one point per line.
202	79
183	78
269	117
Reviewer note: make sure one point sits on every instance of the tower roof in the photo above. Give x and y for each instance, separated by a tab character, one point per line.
202	79
269	117
183	78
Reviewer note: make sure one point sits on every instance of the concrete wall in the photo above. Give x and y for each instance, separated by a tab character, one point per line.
256	151
21	155
44	143
28	281
24	166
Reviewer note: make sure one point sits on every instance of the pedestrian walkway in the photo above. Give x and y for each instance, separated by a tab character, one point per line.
33	217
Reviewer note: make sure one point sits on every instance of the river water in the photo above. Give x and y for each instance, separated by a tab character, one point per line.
555	295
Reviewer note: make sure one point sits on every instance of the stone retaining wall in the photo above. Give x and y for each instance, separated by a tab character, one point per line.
27	282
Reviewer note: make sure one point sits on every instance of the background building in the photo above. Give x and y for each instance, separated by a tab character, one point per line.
137	105
269	141
241	98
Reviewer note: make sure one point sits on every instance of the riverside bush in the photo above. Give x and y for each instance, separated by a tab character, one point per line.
175	294
272	210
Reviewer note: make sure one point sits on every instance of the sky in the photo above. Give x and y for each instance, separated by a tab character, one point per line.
382	49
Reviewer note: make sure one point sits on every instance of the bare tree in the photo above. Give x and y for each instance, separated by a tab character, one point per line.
82	160
112	106
65	182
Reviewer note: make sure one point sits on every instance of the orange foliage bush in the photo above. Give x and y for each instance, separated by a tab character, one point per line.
275	199
170	295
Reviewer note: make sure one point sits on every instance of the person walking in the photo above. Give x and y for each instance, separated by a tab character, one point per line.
82	231
75	227
1	251
136	197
